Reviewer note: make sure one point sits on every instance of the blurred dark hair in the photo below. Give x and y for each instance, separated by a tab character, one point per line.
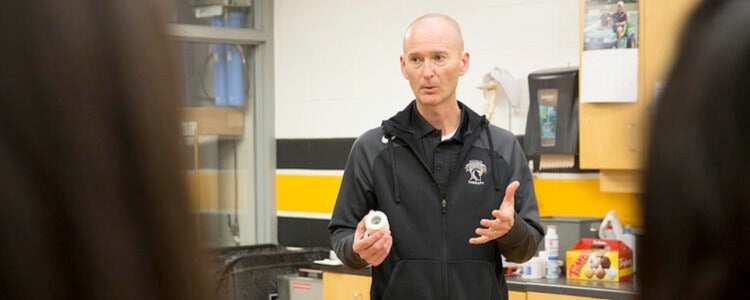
696	200
94	203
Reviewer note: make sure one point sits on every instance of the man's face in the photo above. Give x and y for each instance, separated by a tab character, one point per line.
433	60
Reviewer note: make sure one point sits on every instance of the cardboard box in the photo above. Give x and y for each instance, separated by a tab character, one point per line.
599	260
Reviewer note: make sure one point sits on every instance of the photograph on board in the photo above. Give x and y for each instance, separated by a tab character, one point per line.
610	24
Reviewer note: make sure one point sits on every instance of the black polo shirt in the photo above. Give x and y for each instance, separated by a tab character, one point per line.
441	156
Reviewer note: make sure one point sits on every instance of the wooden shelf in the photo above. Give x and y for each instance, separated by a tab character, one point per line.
215	120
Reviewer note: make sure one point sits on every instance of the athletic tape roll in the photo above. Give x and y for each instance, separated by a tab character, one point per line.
376	221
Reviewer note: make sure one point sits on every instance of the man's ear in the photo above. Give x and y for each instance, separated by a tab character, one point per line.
403	66
464	63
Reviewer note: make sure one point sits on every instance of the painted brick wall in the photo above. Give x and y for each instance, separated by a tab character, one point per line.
337	69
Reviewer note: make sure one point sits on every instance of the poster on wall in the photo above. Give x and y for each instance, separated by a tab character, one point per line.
609	62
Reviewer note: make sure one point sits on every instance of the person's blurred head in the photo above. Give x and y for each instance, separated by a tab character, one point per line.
434	58
93	197
696	199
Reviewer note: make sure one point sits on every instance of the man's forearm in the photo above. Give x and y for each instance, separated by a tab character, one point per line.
521	242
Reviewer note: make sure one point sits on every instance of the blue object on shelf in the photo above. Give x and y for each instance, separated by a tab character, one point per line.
235	63
235	76
236	19
188	52
219	58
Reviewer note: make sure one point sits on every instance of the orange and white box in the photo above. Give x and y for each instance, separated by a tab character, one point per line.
599	260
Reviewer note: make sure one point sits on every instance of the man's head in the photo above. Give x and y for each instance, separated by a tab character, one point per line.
434	58
620	6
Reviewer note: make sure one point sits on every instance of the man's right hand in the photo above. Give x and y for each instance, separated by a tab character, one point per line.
374	248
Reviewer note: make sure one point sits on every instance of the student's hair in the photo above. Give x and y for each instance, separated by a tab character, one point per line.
92	194
696	201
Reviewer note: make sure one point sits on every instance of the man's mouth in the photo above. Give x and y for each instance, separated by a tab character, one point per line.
429	88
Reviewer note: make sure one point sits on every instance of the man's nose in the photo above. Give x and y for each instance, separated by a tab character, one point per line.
428	70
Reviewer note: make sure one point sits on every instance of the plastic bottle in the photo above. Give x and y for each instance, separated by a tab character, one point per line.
611	227
551	241
551	246
536	267
609	233
629	239
553	269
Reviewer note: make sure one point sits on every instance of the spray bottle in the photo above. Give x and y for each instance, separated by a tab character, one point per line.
551	246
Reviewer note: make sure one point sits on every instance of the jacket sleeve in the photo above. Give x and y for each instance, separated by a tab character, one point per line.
522	241
354	200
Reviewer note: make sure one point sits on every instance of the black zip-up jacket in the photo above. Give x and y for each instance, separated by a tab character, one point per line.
431	257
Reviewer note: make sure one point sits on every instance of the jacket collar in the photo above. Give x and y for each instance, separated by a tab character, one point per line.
408	123
409	126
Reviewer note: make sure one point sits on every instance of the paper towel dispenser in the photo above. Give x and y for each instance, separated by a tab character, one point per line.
552	122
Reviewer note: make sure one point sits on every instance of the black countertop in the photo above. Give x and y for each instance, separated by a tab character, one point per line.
594	289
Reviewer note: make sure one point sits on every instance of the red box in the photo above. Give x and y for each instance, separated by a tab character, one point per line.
599	260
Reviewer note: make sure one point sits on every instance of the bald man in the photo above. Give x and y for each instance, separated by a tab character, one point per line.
456	190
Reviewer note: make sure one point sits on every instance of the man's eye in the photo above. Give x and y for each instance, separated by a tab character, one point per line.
440	57
415	59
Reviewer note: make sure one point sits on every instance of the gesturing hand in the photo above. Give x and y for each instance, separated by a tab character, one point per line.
503	221
374	248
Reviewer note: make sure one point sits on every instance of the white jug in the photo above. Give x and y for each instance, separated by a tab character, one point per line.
611	219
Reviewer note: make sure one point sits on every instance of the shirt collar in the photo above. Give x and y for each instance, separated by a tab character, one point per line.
422	128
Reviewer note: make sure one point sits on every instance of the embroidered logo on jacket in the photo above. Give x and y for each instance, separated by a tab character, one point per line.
476	170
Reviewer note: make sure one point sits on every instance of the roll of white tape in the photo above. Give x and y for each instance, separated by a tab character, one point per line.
375	221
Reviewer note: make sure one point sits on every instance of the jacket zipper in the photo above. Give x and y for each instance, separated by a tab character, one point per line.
444	209
444	206
444	202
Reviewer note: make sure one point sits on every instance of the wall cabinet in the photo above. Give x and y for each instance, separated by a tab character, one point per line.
613	135
338	286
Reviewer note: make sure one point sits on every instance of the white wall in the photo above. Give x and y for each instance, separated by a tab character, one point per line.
337	66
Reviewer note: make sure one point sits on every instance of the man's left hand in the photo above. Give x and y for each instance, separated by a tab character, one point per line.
503	221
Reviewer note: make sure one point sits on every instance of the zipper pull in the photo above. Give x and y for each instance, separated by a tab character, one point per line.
444	206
